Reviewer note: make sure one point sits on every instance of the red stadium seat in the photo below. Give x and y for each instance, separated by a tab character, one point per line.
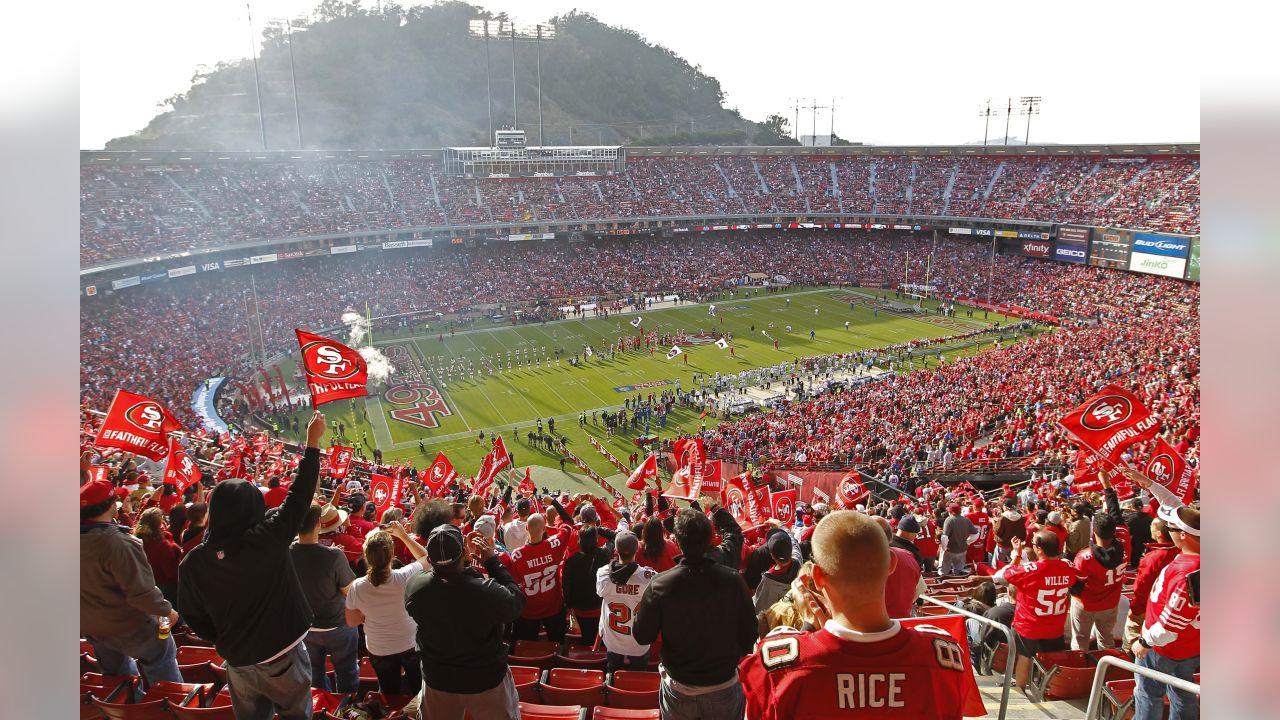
612	713
573	686
154	710
89	664
932	610
220	712
632	689
176	693
529	711
528	682
579	658
534	653
193	654
203	673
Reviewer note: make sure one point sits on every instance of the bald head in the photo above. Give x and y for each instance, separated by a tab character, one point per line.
885	525
536	525
852	550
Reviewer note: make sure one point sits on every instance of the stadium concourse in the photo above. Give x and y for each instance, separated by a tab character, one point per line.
143	204
1138	332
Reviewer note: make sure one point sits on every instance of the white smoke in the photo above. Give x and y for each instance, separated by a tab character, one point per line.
358	329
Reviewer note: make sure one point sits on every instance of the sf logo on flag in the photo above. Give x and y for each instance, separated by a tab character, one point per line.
1106	412
342	457
437	471
380	494
1161	469
188	467
328	362
146	415
785	510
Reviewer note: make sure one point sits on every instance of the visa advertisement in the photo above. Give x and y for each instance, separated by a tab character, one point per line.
1159	255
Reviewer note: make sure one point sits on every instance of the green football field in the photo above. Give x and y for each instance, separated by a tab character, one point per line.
421	402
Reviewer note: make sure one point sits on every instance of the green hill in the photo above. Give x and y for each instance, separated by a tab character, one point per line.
413	77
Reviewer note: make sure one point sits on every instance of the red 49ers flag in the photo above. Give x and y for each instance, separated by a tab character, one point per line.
686	482
385	492
1109	422
850	491
340	462
440	474
954	626
138	425
526	485
759	505
784	505
494	462
734	498
644	472
712	476
1171	470
179	469
333	370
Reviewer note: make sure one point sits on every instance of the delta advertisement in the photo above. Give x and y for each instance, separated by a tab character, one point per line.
1072	245
1159	255
1110	248
1193	260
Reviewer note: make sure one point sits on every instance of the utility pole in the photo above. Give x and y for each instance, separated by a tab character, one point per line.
1008	113
538	48
798	122
293	77
515	115
815	107
1030	106
987	125
257	88
833	121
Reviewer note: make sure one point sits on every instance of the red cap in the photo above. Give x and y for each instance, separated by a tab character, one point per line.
96	491
953	508
977	502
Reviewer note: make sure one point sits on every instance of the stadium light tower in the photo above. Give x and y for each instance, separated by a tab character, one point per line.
1030	106
987	113
288	26
515	32
257	88
481	28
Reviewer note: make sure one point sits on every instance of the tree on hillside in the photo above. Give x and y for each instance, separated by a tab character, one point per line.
774	131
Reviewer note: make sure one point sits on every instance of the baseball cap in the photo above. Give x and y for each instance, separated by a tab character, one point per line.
954	508
486	525
908	523
522	506
96	491
626	543
1055	518
1173	517
444	545
590	515
779	544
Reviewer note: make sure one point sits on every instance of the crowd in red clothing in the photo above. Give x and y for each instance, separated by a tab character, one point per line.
130	211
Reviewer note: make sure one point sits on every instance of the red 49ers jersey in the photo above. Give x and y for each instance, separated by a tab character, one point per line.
536	569
906	672
1044	589
977	551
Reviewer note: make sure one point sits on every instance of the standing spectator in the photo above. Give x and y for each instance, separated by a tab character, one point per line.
656	551
1170	639
120	605
704	614
957	534
1009	525
1159	553
239	590
377	602
1081	529
977	551
1097	593
1043	587
905	538
515	534
620	585
536	569
461	616
859	659
771	568
1139	525
197	521
326	578
579	578
163	554
905	582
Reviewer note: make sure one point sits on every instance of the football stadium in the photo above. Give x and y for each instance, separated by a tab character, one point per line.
629	419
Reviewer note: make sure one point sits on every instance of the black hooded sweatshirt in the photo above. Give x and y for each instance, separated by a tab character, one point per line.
238	588
579	574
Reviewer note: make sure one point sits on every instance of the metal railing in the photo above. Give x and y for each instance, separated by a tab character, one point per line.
1100	676
1009	663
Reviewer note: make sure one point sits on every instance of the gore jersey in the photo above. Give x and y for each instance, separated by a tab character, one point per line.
904	672
1044	594
536	569
618	609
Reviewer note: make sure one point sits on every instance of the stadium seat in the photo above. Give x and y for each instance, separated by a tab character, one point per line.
999	657
573	686
88	664
578	658
529	711
1068	675
153	710
176	693
203	673
193	654
528	683
219	712
368	678
931	610
108	687
534	653
632	689
611	713
944	597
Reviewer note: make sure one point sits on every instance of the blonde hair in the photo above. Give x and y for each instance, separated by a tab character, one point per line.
150	525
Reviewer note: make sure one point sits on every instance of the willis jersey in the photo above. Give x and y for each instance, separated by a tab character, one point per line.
536	569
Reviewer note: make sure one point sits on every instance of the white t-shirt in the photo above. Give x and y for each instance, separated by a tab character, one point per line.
388	629
618	609
515	535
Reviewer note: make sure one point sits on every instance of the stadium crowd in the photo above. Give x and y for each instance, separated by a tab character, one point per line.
131	211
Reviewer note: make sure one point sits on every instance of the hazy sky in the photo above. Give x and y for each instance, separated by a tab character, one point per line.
900	72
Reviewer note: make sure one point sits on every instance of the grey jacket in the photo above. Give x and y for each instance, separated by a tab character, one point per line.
117	590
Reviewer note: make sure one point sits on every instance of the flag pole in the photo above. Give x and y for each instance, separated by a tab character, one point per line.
369	318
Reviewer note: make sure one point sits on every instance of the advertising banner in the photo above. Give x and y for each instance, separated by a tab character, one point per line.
179	272
1030	235
1111	248
259	259
1193	261
341	249
1072	245
125	282
235	262
959	231
1037	248
1159	255
397	244
210	266
291	254
154	277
